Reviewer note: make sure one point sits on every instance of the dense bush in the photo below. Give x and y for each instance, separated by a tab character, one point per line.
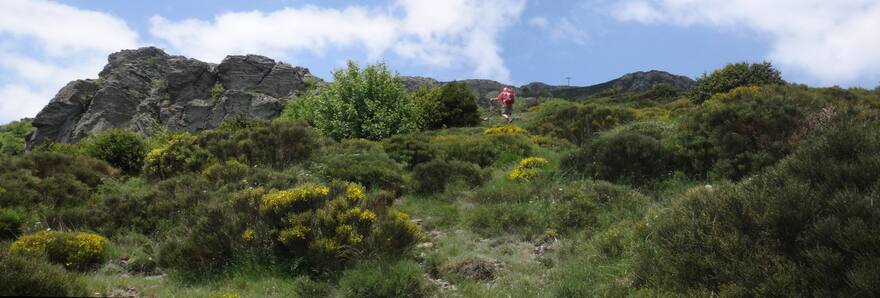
483	150
450	105
384	280
410	149
275	144
733	76
122	149
12	137
53	186
432	177
736	133
575	122
178	154
623	157
364	162
11	222
369	103
80	251
29	275
804	227
528	169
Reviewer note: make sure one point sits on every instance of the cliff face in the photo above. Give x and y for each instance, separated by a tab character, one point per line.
146	88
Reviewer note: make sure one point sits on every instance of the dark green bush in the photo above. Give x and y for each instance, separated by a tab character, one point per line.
737	133
29	275
409	149
623	157
804	227
732	76
276	144
377	279
483	150
575	122
450	105
122	149
432	177
205	243
11	222
364	162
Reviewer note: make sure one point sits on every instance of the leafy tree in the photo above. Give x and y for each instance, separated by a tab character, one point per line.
365	103
732	76
451	105
12	136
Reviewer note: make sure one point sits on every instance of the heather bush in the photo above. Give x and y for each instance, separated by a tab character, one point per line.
79	251
410	149
526	220
11	223
450	105
12	137
575	122
623	157
432	177
122	149
276	144
384	280
781	231
483	150
364	162
737	133
732	76
31	275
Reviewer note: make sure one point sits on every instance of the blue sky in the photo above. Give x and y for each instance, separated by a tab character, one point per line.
44	44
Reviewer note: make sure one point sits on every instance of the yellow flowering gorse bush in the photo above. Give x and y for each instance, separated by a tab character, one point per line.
528	169
504	129
78	251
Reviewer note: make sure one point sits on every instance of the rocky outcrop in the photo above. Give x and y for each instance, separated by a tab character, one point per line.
146	88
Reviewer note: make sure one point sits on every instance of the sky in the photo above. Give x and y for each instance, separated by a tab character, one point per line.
44	43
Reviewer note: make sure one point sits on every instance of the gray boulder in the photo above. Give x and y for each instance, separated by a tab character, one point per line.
146	89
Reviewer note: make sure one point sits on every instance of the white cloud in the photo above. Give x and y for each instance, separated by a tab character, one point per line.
566	31
540	22
452	34
832	42
45	45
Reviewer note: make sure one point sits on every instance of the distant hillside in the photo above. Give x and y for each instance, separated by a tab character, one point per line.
632	82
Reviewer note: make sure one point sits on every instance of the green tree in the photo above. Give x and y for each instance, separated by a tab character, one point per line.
365	103
451	105
12	136
732	76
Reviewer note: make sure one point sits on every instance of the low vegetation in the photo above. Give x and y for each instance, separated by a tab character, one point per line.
756	188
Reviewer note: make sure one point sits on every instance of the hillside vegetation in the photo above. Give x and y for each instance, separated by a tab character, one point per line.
744	185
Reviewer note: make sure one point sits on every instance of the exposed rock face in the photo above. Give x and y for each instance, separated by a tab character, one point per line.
146	88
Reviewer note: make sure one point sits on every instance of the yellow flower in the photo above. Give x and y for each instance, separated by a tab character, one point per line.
248	234
504	129
277	200
528	168
355	192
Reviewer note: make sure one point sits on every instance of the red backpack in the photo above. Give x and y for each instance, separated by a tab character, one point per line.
507	96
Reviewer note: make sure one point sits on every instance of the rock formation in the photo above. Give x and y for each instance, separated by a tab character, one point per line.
146	89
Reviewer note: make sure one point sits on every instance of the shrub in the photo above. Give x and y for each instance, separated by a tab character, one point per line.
205	242
123	149
276	144
410	149
623	157
396	234
528	169
575	122
11	221
12	137
733	76
782	231
483	150
526	220
742	131
384	279
179	154
28	275
80	251
504	129
432	177
369	103
364	162
227	172
450	105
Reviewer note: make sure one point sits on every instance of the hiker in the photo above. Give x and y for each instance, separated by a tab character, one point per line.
506	97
